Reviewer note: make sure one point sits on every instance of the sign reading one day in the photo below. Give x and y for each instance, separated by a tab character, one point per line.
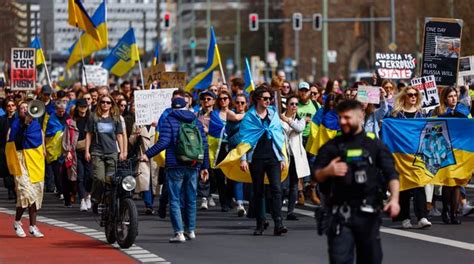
427	86
466	71
150	104
23	69
441	49
95	74
395	66
368	94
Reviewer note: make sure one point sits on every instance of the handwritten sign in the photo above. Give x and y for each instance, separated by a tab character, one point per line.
23	69
95	74
156	77
395	66
368	94
429	91
150	104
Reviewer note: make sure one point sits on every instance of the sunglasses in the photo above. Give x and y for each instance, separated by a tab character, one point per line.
106	102
265	98
412	95
314	93
286	86
240	102
207	99
10	105
223	98
293	104
85	98
123	105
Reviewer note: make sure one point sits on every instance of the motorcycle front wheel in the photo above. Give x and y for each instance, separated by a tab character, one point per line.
127	223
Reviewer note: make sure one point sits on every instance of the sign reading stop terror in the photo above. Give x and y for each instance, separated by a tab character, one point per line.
395	66
23	69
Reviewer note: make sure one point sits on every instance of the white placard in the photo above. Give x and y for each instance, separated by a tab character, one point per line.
368	94
150	104
429	91
95	74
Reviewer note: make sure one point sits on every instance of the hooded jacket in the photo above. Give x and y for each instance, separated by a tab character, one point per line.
169	130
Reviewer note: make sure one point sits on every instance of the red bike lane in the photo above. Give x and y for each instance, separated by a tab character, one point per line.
58	246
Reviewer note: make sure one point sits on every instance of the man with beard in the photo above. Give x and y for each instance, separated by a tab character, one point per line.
353	170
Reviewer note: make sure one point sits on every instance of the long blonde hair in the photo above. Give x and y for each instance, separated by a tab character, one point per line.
399	105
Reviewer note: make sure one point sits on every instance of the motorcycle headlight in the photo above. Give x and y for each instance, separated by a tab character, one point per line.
129	183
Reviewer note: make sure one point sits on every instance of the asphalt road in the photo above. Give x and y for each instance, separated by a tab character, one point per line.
226	238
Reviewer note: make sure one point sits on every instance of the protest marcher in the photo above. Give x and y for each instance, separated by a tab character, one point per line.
390	92
95	97
373	116
126	89
315	95
464	97
285	92
104	130
353	203
69	173
298	167
5	123
261	127
237	87
181	176
25	160
408	105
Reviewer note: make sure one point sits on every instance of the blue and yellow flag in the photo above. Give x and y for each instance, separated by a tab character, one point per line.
251	129
78	17
204	79
214	136
88	43
36	43
436	151
156	55
323	127
124	55
249	84
32	151
53	138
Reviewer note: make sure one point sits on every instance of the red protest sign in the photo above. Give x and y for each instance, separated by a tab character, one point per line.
23	69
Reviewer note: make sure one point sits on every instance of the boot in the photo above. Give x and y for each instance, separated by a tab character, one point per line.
445	216
279	227
454	219
313	195
259	229
300	198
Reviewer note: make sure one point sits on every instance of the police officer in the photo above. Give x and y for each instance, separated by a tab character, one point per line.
353	169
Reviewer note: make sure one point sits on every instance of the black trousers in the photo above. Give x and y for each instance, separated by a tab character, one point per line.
258	169
419	203
362	232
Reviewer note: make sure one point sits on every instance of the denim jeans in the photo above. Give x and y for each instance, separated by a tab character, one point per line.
182	181
148	196
239	191
84	175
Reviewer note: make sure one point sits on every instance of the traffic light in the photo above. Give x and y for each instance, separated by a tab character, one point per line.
253	22
297	21
317	22
167	20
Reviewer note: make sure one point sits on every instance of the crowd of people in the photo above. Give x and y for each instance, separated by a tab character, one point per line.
85	129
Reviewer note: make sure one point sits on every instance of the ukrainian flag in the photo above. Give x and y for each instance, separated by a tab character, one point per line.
324	126
32	151
204	79
437	151
214	136
124	55
88	42
160	159
249	84
53	138
39	51
250	131
78	17
156	54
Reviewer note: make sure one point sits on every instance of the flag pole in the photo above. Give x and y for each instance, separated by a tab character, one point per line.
46	69
82	55
220	64
141	70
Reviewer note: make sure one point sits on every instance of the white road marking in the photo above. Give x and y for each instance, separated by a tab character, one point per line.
470	186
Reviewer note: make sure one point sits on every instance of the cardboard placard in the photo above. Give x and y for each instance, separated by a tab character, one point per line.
395	66
368	94
466	71
156	77
95	74
150	104
441	49
429	91
23	69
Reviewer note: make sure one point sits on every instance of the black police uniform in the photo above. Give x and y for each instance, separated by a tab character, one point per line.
353	203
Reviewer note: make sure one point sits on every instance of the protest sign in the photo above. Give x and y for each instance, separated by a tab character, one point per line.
368	94
466	71
95	74
395	66
427	86
156	77
441	49
150	104
23	69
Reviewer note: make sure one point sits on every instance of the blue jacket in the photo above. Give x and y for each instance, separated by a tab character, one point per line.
169	130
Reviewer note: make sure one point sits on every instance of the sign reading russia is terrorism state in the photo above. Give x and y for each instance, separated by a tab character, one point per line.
436	151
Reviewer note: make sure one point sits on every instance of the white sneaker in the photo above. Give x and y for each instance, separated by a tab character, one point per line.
34	231
467	210
406	224
204	204
18	229
211	202
241	210
83	205
178	238
423	223
88	202
61	197
190	235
